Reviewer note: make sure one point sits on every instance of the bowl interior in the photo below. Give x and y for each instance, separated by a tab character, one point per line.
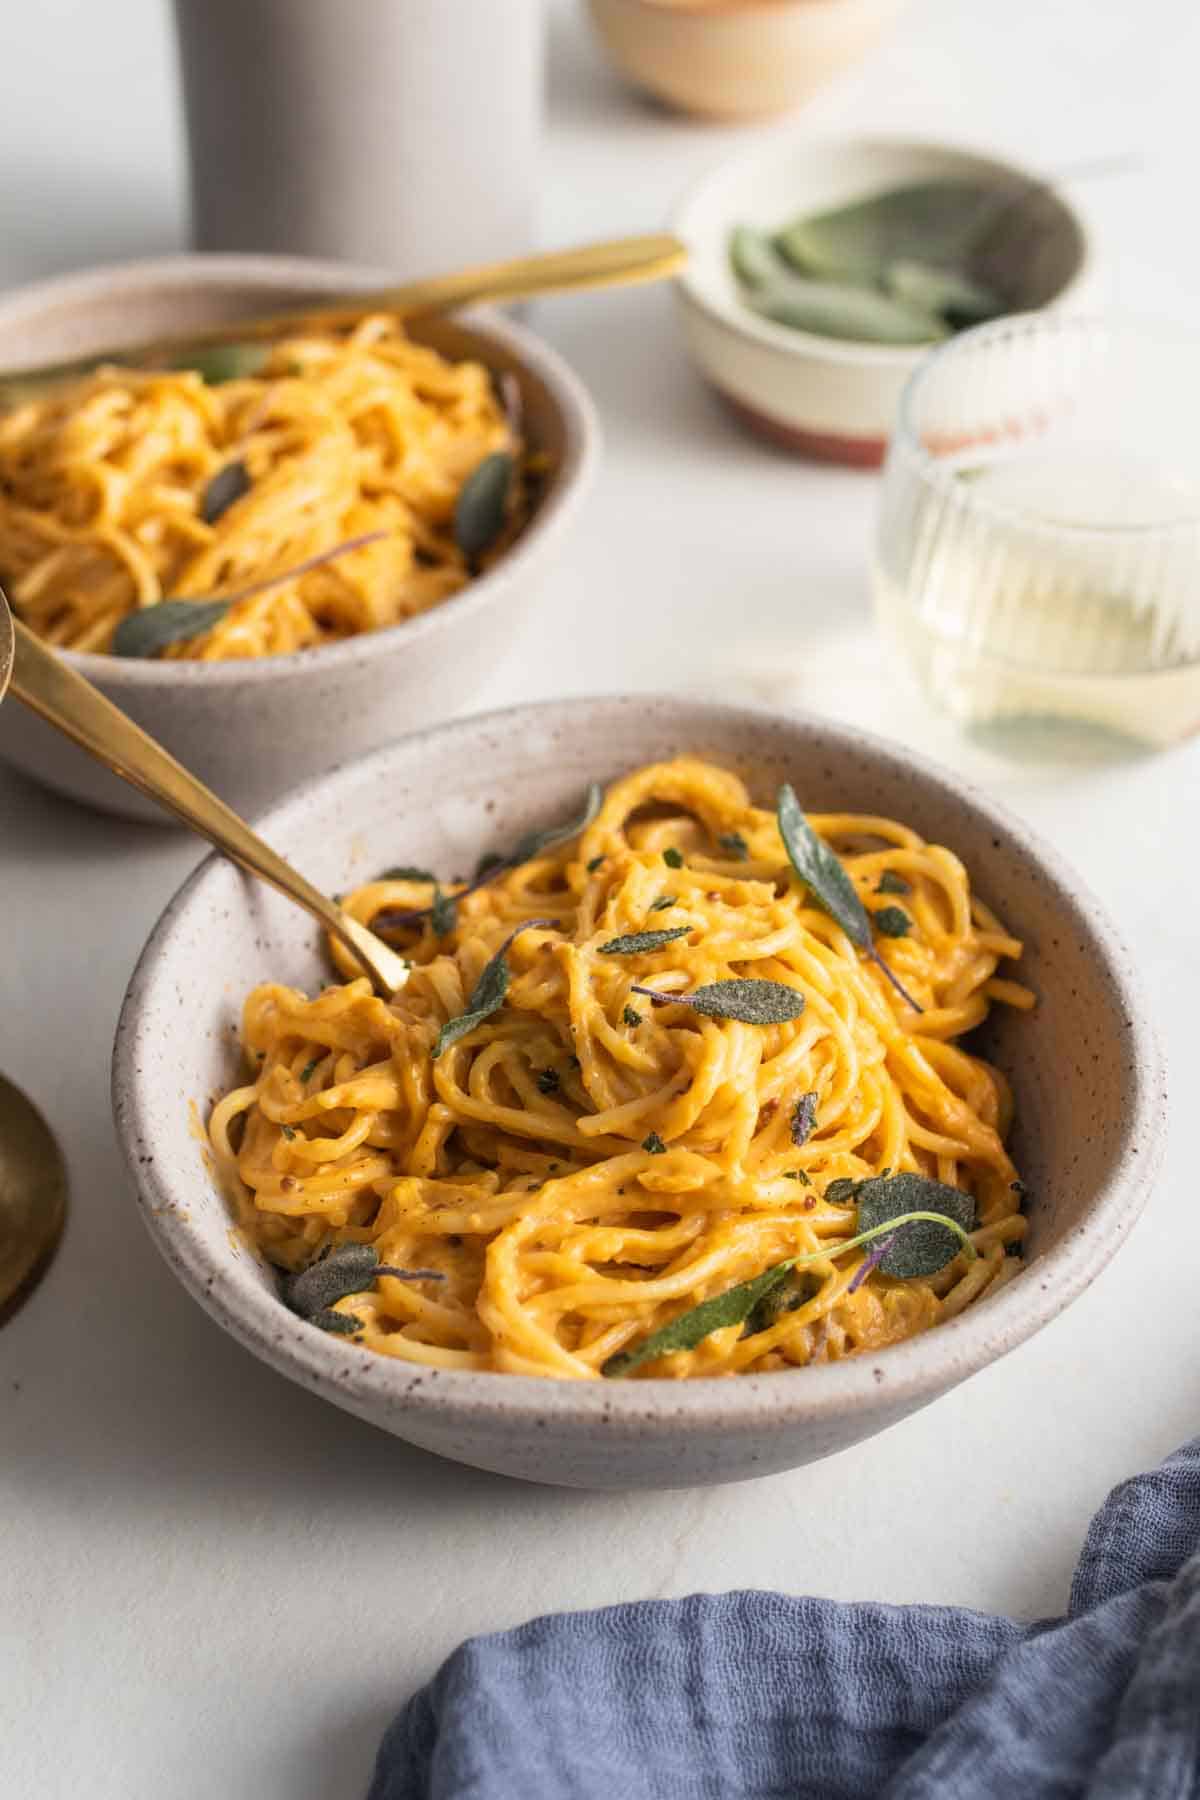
1082	1066
783	179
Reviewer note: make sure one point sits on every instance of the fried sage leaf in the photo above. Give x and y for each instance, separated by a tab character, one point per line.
153	629
924	1246
536	843
482	504
732	1307
227	487
343	1269
804	1117
641	943
820	869
751	1001
489	992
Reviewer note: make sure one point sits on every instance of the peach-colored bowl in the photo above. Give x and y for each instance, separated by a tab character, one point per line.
1085	1069
731	59
823	397
254	729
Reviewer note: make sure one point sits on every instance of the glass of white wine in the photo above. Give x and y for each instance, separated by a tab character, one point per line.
1038	554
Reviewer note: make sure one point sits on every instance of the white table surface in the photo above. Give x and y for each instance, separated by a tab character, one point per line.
212	1583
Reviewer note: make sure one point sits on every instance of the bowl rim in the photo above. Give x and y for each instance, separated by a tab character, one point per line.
743	323
208	269
913	1371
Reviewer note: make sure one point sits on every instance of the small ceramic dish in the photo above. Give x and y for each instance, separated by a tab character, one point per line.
734	59
1084	1066
253	729
826	397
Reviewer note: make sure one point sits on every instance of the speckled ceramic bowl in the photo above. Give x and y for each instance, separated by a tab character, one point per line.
255	729
1085	1068
823	397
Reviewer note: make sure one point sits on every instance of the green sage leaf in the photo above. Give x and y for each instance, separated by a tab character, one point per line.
153	629
641	943
755	260
691	1328
536	843
922	1247
548	1081
227	486
482	503
653	1145
341	1270
892	921
405	872
664	903
750	1001
891	883
673	858
821	871
834	309
225	362
945	292
789	1296
934	222
489	992
735	844
443	914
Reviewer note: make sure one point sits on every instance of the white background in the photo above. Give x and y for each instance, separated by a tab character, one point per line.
212	1584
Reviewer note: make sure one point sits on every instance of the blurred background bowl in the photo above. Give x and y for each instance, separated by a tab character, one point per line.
1084	1067
735	59
826	397
253	728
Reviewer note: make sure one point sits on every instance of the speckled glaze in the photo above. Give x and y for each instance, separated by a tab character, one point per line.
1085	1067
253	730
820	397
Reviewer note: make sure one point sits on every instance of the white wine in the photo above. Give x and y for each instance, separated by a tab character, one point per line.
1029	595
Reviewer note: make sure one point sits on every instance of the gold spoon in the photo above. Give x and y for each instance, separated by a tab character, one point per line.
33	1179
44	682
614	263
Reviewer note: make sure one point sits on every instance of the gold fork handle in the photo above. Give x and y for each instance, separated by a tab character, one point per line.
610	264
61	696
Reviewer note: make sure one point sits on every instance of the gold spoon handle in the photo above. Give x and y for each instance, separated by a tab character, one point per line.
64	699
611	264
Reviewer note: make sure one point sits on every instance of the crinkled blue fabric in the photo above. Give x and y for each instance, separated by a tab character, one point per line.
753	1696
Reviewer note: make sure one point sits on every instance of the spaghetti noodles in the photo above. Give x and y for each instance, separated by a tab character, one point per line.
107	489
585	1164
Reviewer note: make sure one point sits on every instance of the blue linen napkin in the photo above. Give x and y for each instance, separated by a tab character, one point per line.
754	1696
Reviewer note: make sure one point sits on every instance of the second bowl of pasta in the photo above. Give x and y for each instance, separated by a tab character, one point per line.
274	562
753	1084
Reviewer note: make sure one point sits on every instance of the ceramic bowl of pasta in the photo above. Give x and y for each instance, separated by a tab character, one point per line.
822	271
274	561
753	1084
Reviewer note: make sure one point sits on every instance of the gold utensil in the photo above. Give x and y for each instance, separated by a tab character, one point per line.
33	1180
64	699
615	263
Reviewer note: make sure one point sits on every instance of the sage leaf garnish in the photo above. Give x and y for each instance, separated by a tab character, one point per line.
750	1001
871	1262
737	1303
443	914
673	858
288	1131
735	844
341	1270
405	872
482	502
630	1017
891	883
489	991
548	1081
653	1145
306	1073
535	843
935	222
226	362
797	1175
836	309
842	1192
488	864
341	1324
154	628
892	921
957	298
804	1117
664	902
788	1297
924	1247
227	486
641	943
594	864
691	1328
821	871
